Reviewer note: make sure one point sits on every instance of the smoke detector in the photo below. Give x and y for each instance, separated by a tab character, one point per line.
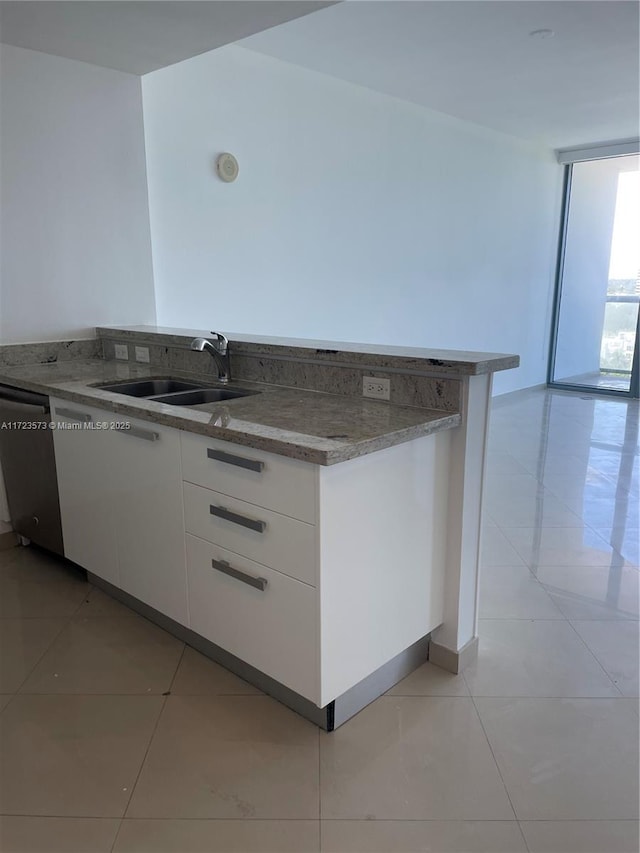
227	167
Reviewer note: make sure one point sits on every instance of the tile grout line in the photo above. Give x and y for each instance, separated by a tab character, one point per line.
175	674
536	697
495	761
144	758
18	692
115	837
165	697
593	654
324	820
524	837
531	619
12	696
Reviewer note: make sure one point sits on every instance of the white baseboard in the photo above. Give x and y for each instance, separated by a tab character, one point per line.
520	391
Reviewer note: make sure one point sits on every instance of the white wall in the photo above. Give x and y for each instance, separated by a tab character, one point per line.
356	216
74	226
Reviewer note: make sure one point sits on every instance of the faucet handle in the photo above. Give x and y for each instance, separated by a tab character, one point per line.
223	343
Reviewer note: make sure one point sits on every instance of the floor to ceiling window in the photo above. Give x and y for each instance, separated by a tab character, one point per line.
595	343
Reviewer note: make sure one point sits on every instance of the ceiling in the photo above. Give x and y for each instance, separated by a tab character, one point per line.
477	61
473	59
139	37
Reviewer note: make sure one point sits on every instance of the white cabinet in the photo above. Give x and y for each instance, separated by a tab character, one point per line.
84	468
354	568
252	557
121	504
147	493
317	576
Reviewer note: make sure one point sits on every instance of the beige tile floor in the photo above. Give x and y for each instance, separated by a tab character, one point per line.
115	737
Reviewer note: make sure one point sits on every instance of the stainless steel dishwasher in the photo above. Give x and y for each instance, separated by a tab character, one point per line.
29	467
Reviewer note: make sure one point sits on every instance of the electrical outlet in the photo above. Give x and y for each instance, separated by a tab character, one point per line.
142	354
378	389
122	352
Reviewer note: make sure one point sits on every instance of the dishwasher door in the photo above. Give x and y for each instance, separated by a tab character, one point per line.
29	467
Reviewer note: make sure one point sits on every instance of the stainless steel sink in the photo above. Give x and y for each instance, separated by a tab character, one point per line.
175	392
151	387
204	395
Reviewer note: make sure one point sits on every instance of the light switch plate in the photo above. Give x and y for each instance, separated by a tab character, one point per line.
122	352
142	354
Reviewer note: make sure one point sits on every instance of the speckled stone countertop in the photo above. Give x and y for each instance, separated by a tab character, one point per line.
307	425
418	359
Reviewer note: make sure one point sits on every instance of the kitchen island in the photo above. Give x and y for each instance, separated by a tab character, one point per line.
319	544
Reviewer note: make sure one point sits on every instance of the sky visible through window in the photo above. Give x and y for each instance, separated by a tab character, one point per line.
625	243
620	318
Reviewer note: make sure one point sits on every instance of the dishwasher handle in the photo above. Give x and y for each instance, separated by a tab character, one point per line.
26	398
12	410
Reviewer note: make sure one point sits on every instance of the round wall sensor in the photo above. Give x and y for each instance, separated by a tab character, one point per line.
227	167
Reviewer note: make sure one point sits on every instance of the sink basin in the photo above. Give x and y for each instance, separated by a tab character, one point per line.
151	387
203	395
175	392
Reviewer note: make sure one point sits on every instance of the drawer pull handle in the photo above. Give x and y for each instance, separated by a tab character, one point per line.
74	415
239	461
226	569
138	432
236	518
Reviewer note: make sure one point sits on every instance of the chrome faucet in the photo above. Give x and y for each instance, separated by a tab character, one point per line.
219	352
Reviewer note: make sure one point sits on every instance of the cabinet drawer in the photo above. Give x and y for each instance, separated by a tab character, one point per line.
273	629
266	479
283	543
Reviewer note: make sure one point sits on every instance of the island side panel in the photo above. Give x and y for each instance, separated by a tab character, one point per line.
383	519
454	644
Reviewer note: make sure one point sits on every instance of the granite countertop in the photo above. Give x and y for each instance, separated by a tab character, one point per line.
381	356
307	425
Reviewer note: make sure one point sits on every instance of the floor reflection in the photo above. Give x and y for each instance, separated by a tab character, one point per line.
563	489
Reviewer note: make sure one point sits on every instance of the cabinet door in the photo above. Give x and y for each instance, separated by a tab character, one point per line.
149	516
83	463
